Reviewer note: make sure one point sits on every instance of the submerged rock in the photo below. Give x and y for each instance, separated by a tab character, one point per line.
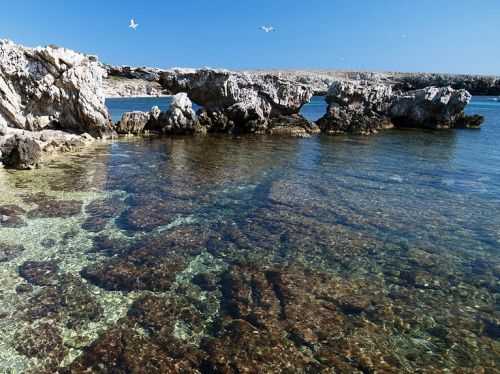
11	216
40	273
10	251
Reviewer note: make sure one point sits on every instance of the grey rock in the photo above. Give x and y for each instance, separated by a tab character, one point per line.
51	87
180	118
429	107
21	152
133	123
249	101
357	107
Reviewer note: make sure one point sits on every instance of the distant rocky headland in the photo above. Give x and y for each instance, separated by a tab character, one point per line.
53	99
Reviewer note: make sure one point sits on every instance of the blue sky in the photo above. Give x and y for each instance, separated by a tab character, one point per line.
458	36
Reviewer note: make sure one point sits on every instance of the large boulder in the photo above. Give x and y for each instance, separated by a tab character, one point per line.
180	118
132	123
357	107
51	87
21	152
248	101
431	107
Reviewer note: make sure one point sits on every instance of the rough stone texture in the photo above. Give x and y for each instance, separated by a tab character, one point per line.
126	87
51	87
430	107
180	118
364	107
249	101
357	107
25	149
132	123
21	152
10	216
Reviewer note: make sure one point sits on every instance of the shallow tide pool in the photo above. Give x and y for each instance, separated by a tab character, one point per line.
219	254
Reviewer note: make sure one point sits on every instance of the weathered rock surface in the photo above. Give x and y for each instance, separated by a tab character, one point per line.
21	149
248	101
357	107
363	107
180	118
431	107
132	123
131	87
51	87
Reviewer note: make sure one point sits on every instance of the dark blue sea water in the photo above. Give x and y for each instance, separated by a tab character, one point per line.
220	254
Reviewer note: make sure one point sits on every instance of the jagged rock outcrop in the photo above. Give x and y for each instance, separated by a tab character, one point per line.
356	107
180	118
133	123
51	87
363	107
432	107
248	101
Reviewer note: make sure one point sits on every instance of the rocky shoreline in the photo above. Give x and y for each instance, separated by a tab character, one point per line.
53	99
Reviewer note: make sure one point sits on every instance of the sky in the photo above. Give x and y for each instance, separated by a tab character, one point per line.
455	36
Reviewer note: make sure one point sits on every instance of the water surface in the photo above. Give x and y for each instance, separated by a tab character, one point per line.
256	254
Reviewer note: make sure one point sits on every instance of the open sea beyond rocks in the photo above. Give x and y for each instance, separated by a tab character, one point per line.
256	254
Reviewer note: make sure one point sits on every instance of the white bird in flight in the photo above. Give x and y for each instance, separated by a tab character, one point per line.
267	29
133	25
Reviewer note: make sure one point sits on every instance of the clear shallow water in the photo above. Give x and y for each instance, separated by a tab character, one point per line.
220	254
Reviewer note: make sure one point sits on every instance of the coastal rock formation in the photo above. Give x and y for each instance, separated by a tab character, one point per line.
20	149
248	101
180	118
363	107
357	107
432	107
51	87
480	85
132	123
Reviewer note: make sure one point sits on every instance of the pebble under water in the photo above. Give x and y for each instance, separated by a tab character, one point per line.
255	254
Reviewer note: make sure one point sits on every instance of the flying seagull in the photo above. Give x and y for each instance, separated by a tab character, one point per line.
267	29
133	25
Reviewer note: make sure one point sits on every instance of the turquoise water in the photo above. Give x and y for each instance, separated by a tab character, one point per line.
220	254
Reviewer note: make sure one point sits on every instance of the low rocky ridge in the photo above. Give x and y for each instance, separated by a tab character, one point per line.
364	107
321	80
181	119
50	99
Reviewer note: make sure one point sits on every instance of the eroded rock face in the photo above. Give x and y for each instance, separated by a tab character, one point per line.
430	107
365	107
357	107
132	123
21	152
51	87
180	118
249	101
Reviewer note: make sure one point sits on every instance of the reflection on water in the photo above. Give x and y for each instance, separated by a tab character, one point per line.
256	254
